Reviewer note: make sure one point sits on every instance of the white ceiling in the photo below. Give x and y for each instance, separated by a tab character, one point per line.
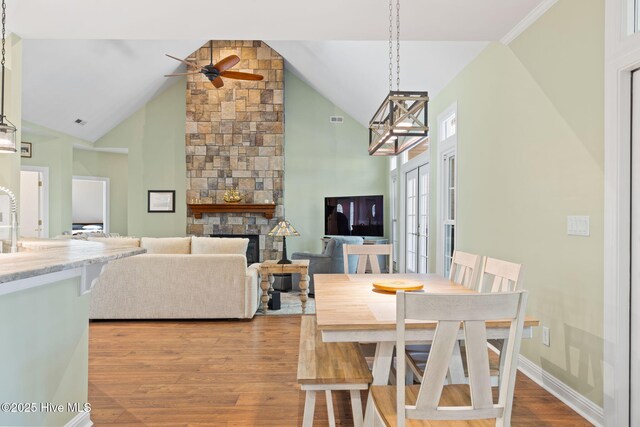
105	81
355	75
461	20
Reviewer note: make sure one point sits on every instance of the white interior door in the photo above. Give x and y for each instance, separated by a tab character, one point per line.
417	220
411	227
635	254
33	210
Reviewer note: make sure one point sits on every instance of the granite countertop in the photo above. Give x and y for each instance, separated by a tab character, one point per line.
38	257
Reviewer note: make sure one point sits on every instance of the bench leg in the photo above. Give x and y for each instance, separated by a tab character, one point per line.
331	415
309	408
356	407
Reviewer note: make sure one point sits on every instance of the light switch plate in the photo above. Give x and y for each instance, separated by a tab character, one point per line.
578	226
545	336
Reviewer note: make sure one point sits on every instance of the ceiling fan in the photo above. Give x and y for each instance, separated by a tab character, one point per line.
215	72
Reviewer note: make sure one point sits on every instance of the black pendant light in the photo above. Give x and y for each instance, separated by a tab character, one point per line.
7	129
401	121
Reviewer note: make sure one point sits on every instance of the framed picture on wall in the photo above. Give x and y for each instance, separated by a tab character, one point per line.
25	149
161	201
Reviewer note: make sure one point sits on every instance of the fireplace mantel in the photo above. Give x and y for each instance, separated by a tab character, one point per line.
268	210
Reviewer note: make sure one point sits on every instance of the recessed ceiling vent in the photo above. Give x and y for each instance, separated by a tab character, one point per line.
81	122
336	119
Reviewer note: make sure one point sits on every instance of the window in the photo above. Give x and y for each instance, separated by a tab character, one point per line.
449	172
447	188
393	163
393	192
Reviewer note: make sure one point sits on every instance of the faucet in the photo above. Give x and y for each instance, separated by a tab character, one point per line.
14	219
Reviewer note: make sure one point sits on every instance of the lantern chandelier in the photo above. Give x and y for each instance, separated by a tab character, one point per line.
401	121
7	130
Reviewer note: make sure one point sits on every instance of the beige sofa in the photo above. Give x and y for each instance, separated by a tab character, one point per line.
171	281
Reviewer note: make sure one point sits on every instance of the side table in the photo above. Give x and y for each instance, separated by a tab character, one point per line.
267	268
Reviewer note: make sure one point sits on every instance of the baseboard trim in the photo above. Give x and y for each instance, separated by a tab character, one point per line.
526	22
583	406
83	419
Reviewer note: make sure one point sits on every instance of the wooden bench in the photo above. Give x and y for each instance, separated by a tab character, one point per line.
330	366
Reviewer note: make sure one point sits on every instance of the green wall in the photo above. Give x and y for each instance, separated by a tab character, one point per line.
530	153
54	151
322	159
45	351
115	167
154	136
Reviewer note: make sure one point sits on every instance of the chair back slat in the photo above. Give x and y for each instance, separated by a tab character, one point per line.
450	311
500	276
464	269
367	254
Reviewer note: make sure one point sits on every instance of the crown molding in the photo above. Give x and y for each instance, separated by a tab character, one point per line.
526	22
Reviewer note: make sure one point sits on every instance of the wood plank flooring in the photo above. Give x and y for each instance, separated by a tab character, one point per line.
230	373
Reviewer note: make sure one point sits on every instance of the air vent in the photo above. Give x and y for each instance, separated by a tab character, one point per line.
81	122
336	119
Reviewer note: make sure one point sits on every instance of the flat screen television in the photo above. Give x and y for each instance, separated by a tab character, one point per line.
354	216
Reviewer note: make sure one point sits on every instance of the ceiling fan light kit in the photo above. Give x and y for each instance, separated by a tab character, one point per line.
401	122
215	72
7	129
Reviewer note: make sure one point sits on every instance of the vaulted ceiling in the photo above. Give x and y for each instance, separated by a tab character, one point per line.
101	61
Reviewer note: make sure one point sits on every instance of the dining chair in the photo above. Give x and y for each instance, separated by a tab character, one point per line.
368	253
499	276
432	399
464	271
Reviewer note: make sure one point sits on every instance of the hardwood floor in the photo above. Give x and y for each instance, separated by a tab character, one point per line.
230	373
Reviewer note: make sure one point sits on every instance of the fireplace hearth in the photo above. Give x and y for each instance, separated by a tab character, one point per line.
253	249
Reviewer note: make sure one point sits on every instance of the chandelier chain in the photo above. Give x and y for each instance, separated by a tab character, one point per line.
390	45
4	18
397	44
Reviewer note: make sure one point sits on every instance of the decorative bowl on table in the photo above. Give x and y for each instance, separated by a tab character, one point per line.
391	286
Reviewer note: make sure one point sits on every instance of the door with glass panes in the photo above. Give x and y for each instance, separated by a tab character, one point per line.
417	220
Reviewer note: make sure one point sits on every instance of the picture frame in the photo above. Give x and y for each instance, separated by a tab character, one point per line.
25	149
161	201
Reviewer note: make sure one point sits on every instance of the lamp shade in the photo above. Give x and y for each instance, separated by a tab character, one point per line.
284	229
7	138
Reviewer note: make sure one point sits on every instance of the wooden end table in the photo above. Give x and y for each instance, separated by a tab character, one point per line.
271	267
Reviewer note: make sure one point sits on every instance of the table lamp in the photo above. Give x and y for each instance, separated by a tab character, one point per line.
284	229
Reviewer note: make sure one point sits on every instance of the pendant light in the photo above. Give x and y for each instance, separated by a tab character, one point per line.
401	121
7	129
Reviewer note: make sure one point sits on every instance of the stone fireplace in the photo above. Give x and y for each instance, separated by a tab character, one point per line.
235	138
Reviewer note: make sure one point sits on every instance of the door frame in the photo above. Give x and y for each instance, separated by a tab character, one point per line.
44	195
622	56
105	199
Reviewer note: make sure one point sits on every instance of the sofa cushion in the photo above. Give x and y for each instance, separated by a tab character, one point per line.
129	242
166	245
219	245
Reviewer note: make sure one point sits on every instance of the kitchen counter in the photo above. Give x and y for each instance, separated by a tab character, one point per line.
44	305
41	257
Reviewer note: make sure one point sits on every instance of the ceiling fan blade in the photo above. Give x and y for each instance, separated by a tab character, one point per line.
190	64
217	82
181	74
226	63
241	76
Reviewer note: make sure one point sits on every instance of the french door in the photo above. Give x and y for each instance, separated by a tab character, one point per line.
417	220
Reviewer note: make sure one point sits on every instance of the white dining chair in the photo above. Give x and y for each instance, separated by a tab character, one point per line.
464	271
499	276
368	254
432	399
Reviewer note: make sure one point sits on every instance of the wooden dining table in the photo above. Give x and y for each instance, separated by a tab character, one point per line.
348	309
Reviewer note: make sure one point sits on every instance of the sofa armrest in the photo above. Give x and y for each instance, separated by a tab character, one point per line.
310	256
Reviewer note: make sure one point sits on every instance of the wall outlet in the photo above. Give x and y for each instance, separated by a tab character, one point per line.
545	336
